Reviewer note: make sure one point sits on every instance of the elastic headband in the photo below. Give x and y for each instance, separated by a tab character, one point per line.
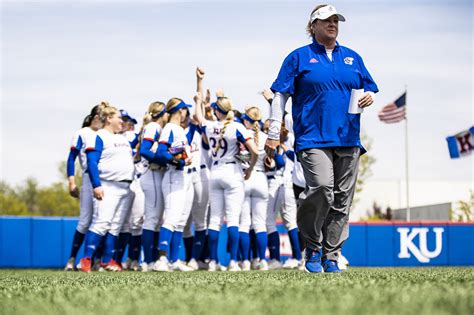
244	116
156	116
216	107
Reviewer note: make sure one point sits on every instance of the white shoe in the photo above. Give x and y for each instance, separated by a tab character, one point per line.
193	264
70	264
212	266
126	264
221	268
342	262
291	263
134	265
180	266
233	266
274	264
254	263
162	265
301	265
245	265
263	265
146	267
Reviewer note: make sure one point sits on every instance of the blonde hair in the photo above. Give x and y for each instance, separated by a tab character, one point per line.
225	104
308	26
254	113
107	112
154	109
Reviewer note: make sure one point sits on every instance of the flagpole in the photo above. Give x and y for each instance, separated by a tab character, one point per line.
406	157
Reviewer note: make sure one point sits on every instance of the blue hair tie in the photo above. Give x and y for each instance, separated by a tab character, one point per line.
216	107
178	107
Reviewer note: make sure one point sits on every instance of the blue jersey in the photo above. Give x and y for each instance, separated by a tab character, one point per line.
320	90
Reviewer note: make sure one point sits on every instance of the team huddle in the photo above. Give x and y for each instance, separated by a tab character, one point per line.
188	170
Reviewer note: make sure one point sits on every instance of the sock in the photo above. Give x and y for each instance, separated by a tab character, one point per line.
233	239
156	239
262	241
175	245
165	240
122	241
205	253
92	242
147	241
134	247
109	248
253	244
244	245
213	239
295	243
188	246
198	244
274	245
76	243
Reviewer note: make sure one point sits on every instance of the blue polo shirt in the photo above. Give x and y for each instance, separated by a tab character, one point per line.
320	90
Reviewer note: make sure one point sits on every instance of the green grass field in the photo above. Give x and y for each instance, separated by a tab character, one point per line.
357	291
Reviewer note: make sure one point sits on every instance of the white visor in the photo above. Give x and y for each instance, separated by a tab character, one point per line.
326	12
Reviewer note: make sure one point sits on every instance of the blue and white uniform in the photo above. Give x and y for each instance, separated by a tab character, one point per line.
110	166
150	182
227	190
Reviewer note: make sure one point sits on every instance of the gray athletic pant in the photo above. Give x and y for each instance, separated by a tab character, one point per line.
323	207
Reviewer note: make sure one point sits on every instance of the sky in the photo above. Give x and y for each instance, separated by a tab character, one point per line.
60	58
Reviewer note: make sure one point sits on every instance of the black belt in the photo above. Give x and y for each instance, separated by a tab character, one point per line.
125	181
270	176
203	166
192	170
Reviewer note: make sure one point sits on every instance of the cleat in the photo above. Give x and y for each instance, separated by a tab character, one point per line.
180	266
97	264
274	264
291	263
85	264
221	267
202	265
342	262
245	265
233	266
331	266
126	264
146	267
263	265
162	265
193	264
254	264
113	266
313	261
134	266
70	264
212	266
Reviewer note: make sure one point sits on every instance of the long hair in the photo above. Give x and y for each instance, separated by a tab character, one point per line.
225	104
154	110
95	111
254	113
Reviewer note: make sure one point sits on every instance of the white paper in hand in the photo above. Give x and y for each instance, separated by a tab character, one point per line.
354	102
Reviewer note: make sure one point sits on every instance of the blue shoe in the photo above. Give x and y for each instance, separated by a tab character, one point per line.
313	261
331	266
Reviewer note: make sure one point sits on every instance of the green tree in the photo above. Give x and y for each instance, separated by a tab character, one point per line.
10	203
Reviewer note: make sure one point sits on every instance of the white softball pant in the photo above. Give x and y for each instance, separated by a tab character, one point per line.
200	203
254	209
175	185
110	212
226	195
86	205
151	182
281	200
134	220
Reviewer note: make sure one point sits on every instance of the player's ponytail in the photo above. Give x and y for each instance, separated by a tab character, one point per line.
87	121
156	110
255	115
224	105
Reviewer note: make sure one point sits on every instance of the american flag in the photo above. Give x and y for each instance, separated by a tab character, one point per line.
394	112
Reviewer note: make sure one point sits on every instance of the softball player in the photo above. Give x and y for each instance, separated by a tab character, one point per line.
254	209
111	170
226	179
151	179
78	148
173	150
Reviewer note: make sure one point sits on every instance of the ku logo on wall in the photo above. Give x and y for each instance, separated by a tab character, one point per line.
420	243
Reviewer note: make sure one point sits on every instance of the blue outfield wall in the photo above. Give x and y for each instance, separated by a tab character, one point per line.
40	242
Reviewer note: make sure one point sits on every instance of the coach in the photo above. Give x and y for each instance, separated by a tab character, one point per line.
319	77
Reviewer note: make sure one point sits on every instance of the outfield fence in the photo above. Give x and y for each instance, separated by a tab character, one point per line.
45	242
